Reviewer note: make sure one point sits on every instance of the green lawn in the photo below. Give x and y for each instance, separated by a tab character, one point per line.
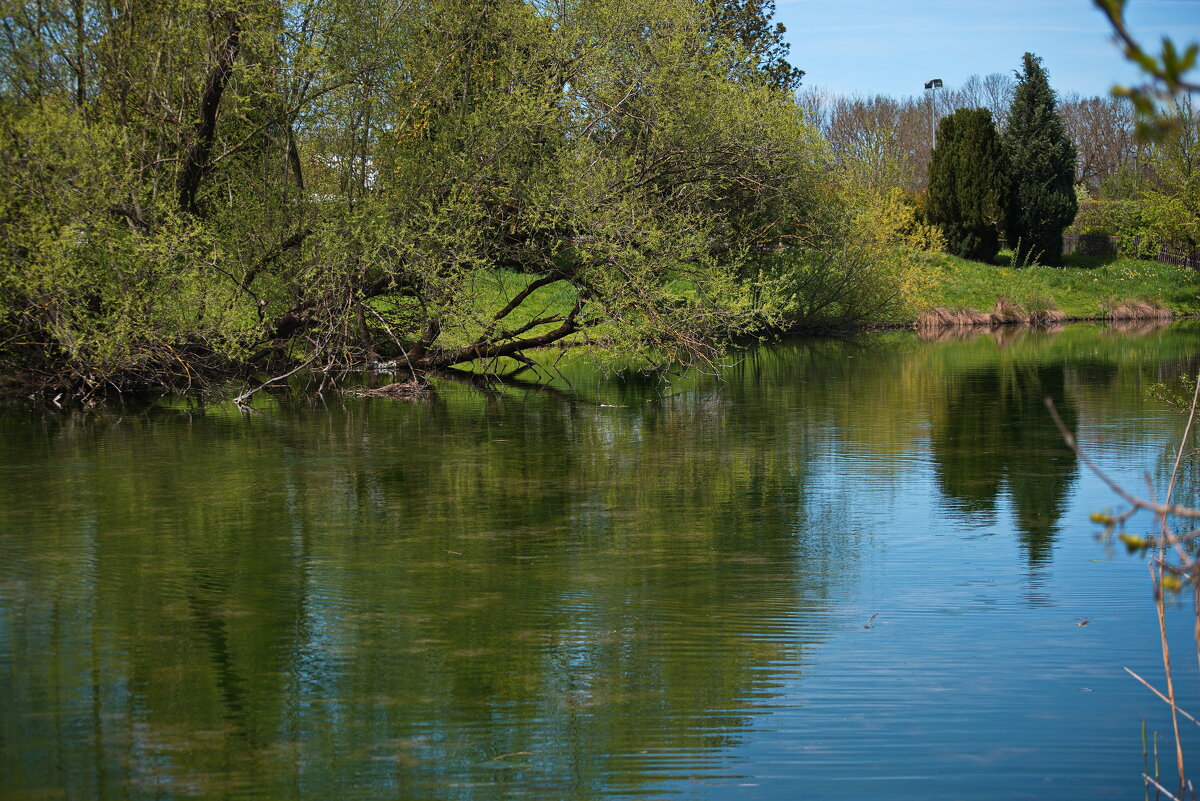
1079	288
489	292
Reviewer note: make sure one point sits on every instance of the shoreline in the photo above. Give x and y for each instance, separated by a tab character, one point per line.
15	388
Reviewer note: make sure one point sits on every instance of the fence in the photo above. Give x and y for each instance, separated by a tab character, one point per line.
1096	245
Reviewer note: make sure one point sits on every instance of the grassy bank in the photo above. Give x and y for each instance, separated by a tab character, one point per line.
1085	287
1081	288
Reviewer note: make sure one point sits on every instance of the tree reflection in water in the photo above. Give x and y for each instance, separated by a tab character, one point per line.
512	593
996	439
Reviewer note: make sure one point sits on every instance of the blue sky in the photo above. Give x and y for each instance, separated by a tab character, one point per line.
874	46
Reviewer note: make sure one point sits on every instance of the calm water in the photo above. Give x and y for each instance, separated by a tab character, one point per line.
837	571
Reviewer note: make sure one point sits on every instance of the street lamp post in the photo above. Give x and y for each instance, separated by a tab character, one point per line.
932	87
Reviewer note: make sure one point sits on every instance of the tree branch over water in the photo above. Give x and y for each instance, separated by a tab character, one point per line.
1171	571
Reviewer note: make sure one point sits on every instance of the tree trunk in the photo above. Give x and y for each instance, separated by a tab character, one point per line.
195	164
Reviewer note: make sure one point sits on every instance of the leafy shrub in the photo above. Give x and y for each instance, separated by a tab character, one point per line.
872	268
1127	220
93	290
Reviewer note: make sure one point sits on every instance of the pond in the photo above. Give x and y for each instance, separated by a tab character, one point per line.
834	570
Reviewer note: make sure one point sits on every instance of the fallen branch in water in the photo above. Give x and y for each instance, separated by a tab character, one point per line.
240	400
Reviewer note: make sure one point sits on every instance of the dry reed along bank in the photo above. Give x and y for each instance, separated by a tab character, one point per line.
1085	288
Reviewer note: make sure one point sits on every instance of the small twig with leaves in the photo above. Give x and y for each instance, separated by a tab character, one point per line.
1168	72
1166	575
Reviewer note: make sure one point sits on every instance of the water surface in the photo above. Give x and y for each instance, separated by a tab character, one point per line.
835	570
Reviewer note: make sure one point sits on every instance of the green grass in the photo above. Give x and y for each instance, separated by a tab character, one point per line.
489	292
1079	288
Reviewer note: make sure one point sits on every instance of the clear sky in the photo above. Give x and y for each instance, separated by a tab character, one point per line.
871	47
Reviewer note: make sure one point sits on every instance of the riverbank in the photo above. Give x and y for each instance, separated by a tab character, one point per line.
1083	288
960	292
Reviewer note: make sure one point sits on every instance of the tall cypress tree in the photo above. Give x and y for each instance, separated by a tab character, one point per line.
1041	201
968	184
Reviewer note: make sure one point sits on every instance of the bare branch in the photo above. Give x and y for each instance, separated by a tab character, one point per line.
520	297
1160	788
1171	509
240	400
1154	690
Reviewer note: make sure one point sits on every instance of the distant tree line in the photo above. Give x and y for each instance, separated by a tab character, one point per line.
1142	191
896	134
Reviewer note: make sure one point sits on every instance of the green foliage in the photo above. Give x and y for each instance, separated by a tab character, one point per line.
872	268
968	182
1126	220
1124	184
1164	210
330	181
823	289
1177	396
89	293
1172	198
892	218
1041	201
1173	222
761	45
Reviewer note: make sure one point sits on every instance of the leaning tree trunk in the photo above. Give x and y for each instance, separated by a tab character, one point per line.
195	163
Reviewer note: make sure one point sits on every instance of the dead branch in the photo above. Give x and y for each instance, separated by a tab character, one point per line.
1170	509
1155	690
1159	787
240	400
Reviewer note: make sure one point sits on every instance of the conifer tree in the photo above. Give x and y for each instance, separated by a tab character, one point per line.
749	24
1041	199
968	184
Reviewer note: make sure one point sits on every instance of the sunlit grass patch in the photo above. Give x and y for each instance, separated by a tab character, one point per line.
1085	287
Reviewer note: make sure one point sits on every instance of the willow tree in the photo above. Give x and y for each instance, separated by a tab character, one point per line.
968	184
1041	200
598	165
218	185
